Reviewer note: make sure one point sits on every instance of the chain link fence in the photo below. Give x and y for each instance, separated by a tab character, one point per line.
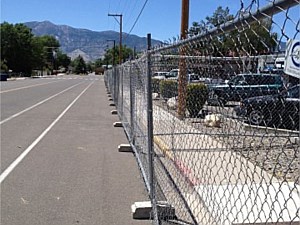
214	119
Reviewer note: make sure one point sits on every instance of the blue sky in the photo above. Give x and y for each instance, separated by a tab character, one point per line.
161	18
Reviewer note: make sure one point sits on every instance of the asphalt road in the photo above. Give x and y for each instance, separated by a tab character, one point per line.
59	159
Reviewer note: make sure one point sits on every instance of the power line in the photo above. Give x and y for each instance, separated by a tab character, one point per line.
126	7
119	5
138	17
130	13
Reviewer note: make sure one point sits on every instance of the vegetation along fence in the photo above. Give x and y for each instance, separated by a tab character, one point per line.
216	136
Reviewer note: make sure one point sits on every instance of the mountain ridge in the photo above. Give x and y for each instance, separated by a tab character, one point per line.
91	45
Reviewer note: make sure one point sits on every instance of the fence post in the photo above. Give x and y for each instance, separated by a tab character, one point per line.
122	90
114	78
150	133
132	104
117	87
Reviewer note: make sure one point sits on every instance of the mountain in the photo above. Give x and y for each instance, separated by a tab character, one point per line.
91	45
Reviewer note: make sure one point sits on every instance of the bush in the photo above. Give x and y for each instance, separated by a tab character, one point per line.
196	97
168	88
155	85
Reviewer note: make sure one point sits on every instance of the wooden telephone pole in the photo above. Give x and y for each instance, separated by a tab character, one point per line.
120	45
182	77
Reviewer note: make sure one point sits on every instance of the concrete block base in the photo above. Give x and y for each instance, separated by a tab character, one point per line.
143	210
114	112
118	124
125	148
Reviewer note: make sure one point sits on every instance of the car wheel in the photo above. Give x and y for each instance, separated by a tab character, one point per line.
256	117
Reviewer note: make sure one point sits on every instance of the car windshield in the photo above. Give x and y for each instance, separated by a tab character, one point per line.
194	77
173	73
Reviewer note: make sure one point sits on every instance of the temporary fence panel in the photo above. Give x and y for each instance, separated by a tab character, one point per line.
225	119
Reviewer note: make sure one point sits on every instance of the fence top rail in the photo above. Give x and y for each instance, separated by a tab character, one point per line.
246	17
216	57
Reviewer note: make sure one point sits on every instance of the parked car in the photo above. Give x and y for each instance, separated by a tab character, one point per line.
205	80
3	76
279	111
160	75
190	77
193	78
245	86
173	74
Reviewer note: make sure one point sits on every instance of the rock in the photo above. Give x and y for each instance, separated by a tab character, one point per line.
155	96
172	103
213	120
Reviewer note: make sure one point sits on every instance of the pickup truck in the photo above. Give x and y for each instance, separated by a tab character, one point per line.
244	86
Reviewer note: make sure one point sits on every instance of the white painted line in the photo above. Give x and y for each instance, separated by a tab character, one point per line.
15	163
16	89
41	102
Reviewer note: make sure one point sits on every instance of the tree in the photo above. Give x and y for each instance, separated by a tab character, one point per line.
90	67
259	37
22	52
63	60
113	53
219	17
79	65
50	50
4	66
253	39
38	59
98	63
16	47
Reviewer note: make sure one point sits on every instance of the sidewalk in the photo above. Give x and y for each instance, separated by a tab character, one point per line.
128	186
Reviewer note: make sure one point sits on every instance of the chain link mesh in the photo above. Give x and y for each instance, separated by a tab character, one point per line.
225	119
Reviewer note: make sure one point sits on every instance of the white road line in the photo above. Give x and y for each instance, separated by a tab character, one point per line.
39	103
71	78
35	85
15	163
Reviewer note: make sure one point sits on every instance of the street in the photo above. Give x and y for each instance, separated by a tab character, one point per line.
59	155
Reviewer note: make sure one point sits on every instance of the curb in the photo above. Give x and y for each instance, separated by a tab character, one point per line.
186	171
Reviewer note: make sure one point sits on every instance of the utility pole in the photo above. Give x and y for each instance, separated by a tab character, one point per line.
114	71
120	23
182	77
54	56
113	51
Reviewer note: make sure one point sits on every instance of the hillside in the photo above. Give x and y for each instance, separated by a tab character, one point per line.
89	44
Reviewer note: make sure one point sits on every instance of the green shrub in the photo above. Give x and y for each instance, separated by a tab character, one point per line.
155	85
196	97
168	88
